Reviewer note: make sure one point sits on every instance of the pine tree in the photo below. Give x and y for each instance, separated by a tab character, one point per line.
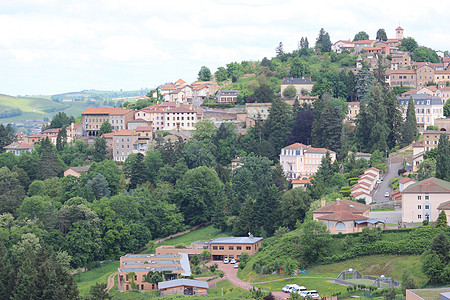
409	127
279	50
277	126
7	135
443	158
442	219
48	164
61	139
99	153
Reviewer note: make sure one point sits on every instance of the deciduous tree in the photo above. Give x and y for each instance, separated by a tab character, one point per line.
381	35
362	35
204	74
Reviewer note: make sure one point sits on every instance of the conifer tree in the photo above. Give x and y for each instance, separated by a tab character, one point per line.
48	164
409	128
278	124
441	221
99	153
443	158
61	139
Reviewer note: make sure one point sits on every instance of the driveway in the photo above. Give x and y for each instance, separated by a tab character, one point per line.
231	276
383	187
393	217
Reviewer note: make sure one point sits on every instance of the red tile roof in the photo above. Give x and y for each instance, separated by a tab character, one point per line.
123	132
406	179
399	28
19	146
307	148
105	111
354	195
343	205
359	186
364	42
444	206
342	216
430	185
301	181
372	168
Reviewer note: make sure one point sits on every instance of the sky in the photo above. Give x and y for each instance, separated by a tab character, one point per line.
55	46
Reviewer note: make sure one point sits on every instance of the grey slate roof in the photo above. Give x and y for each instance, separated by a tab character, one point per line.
297	81
420	99
236	240
185	282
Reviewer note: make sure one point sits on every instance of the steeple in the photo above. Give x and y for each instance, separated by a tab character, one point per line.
399	33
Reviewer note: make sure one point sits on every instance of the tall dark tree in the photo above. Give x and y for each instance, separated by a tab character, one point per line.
320	39
279	49
60	120
7	135
12	192
263	94
327	125
299	68
381	35
61	139
326	43
278	124
204	74
409	128
301	130
135	171
362	35
99	152
363	83
267	211
49	163
443	158
380	71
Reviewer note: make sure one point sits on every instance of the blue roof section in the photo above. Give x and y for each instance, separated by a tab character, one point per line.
420	99
182	282
236	240
297	81
371	221
151	255
126	270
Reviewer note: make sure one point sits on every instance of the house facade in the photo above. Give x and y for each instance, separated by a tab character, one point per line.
123	142
18	148
420	201
299	160
76	171
233	247
301	85
227	96
183	287
93	118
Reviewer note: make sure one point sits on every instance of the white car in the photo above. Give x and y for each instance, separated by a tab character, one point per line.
236	266
386	194
312	293
298	289
290	288
225	261
233	261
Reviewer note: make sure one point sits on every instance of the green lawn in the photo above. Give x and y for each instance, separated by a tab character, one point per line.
204	234
322	285
99	275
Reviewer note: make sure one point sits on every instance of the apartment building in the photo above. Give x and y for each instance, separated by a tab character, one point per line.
299	160
93	118
134	269
227	96
401	78
428	108
170	116
122	144
400	61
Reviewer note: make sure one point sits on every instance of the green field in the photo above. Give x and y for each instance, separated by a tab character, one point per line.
204	234
99	275
322	285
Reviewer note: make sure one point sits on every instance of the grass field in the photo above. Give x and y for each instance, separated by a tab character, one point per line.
204	234
99	275
322	285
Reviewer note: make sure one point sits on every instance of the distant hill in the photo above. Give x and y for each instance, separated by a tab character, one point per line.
96	95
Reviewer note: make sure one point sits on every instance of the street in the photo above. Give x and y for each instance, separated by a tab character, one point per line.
384	185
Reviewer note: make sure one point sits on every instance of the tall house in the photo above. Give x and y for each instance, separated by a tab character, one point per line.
299	160
93	118
123	142
300	84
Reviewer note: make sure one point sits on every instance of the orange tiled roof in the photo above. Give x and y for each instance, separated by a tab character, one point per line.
105	111
430	185
301	181
354	195
406	179
344	205
123	132
364	42
19	146
372	168
342	216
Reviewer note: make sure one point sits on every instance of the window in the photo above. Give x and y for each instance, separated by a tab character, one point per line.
419	197
419	206
238	248
427	197
248	248
230	248
419	216
214	247
427	207
221	247
340	226
231	256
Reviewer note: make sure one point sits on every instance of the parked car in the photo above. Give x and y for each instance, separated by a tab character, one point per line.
225	261
288	288
312	293
382	178
233	261
298	289
236	266
386	194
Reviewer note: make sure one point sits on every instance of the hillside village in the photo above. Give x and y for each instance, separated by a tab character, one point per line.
311	158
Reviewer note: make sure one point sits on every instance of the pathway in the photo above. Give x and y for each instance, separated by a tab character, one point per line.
111	282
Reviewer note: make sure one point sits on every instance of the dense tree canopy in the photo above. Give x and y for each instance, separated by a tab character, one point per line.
362	35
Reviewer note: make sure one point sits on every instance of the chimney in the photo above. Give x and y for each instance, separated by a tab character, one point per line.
338	201
322	202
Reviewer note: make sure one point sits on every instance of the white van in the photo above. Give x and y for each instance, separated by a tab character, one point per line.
298	289
312	293
288	288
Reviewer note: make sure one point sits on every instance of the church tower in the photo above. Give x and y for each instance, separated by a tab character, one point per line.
399	33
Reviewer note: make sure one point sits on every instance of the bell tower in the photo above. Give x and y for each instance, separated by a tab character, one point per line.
399	33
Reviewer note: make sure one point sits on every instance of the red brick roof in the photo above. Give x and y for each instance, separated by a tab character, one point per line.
372	168
123	132
144	128
399	28
354	195
344	205
19	146
342	216
430	185
307	148
301	181
444	206
105	111
406	179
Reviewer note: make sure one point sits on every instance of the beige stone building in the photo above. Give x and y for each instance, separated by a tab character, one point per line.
93	118
301	161
420	201
400	61
401	78
233	247
123	142
301	85
353	111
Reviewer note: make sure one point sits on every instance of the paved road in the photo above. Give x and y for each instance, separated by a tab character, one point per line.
384	185
392	217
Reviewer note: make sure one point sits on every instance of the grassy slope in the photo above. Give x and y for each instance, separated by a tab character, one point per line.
87	279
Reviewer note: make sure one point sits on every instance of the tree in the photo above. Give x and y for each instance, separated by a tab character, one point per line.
49	163
301	130
61	139
279	50
105	128
323	42
278	124
98	292
204	130
11	191
110	171
99	152
447	108
363	83
289	92
381	35
99	187
61	120
362	35
195	260
204	74
7	135
153	162
134	170
314	240
424	54
263	94
266	211
294	205
443	158
299	68
408	282
409	127
196	154
221	74
409	44
441	220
